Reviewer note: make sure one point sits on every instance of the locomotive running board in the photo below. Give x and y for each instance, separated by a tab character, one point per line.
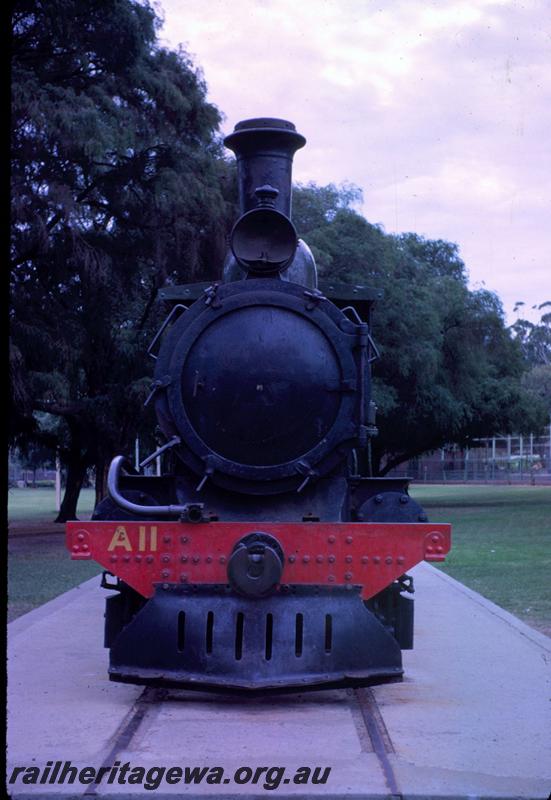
208	638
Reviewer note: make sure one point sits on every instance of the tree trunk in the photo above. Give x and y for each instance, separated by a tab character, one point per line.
76	472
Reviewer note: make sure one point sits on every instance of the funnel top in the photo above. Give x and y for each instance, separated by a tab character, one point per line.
264	122
260	131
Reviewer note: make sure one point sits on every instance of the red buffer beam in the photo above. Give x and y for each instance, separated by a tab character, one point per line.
317	553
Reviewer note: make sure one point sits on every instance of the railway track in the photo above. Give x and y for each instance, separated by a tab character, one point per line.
142	719
379	737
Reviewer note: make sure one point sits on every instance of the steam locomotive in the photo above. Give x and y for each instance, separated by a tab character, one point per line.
267	557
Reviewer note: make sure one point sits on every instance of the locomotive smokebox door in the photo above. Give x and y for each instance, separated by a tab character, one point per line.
256	564
263	388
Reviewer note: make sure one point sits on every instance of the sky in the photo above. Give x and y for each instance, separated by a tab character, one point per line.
439	111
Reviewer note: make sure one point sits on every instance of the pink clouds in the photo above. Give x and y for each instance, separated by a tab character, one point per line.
440	112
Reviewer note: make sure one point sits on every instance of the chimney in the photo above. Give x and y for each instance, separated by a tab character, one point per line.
264	148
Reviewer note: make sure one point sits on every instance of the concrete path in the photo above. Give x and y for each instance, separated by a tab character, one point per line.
472	718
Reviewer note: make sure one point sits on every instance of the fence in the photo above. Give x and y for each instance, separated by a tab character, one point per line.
498	459
18	476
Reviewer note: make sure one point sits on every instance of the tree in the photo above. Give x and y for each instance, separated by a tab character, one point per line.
450	371
115	170
535	338
345	245
535	342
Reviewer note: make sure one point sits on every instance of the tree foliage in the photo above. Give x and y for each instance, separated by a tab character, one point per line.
450	370
345	245
115	193
534	338
535	342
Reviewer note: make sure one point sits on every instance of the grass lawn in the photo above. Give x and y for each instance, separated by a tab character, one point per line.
39	566
39	504
501	543
39	569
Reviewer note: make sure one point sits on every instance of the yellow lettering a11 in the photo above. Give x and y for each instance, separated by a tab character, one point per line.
142	538
120	539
